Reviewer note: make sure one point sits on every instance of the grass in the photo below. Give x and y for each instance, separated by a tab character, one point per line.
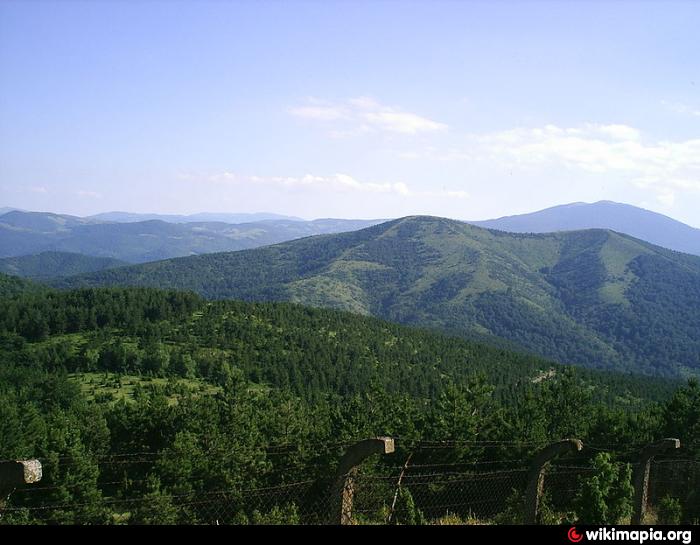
113	387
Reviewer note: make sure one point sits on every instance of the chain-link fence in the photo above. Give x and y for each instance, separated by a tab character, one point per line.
419	483
674	490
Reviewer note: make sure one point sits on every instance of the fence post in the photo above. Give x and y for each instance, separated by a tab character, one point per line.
344	487
641	475
14	474
535	484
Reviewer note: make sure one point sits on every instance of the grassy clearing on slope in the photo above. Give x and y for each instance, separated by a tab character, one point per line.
114	387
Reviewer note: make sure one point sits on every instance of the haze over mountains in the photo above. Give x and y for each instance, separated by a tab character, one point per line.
594	297
139	238
26	233
129	217
623	218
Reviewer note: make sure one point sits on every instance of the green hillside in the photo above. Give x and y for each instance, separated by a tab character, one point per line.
596	297
137	400
52	264
308	351
24	233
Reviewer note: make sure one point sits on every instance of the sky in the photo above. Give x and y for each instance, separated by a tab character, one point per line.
463	109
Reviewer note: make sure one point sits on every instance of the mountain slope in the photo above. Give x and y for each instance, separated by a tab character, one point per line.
52	264
630	220
26	233
596	297
277	345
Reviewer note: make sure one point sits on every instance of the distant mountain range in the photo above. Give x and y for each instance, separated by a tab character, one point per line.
161	236
623	218
130	217
593	297
27	233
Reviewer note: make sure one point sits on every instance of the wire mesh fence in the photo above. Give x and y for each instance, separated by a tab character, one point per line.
674	491
420	483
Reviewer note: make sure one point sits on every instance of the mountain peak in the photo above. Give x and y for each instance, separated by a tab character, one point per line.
552	294
623	218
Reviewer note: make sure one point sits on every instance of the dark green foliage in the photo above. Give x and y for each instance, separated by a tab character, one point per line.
11	285
606	496
293	385
406	511
669	511
52	264
307	351
595	298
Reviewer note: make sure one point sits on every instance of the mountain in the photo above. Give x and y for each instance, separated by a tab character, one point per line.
129	217
623	218
595	297
252	405
43	222
27	233
6	209
52	264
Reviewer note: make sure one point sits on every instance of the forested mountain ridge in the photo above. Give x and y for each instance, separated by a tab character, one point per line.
624	218
596	297
310	352
52	264
26	233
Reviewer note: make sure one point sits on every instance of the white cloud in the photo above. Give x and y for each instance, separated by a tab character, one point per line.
662	166
402	122
667	198
365	114
680	108
88	194
617	132
335	183
319	113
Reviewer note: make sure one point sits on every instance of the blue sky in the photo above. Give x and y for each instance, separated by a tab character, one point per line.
349	109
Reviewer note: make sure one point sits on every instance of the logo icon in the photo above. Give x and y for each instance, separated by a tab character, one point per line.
573	535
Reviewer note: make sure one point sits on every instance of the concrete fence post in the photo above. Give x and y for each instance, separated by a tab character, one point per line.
17	473
538	468
344	487
641	475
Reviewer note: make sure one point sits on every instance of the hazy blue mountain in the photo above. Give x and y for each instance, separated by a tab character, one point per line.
28	233
52	264
129	217
594	297
43	222
6	209
623	218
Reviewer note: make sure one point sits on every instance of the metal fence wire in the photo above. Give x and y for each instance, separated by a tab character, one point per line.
420	483
674	490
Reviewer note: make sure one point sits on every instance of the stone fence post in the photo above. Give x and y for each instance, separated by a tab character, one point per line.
344	487
538	468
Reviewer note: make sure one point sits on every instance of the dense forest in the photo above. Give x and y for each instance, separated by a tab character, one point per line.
137	398
595	298
55	264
